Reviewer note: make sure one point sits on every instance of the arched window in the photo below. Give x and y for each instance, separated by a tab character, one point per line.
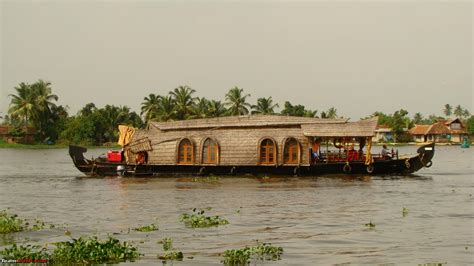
210	151
291	152
267	152
185	152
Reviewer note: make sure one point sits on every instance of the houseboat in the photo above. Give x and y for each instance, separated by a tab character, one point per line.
254	144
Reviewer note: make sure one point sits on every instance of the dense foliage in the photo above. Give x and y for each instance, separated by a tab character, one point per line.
34	105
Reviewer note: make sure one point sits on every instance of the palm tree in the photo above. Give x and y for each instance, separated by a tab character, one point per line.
448	109
23	103
201	108
150	106
216	109
236	101
458	111
264	106
331	113
43	96
184	100
166	109
418	118
310	113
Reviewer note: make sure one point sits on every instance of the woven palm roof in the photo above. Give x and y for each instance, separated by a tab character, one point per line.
363	128
243	121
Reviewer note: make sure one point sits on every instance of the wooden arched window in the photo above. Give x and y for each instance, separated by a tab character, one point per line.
291	152
185	152
267	152
210	151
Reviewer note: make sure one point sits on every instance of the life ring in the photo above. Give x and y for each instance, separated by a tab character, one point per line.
370	168
407	163
347	168
428	164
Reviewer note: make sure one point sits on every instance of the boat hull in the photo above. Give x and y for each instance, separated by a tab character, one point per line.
389	166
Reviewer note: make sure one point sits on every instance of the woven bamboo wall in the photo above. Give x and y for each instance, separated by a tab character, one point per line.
237	146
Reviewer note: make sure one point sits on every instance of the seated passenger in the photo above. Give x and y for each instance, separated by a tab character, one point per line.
386	154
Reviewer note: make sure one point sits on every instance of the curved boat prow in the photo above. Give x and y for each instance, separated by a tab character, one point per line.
423	159
77	153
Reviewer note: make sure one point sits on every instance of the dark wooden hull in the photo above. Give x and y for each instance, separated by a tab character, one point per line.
391	166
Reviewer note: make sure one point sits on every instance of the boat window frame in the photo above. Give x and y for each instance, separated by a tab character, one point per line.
275	151
178	150
298	151
218	151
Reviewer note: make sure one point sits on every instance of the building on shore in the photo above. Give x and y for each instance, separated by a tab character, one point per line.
8	135
449	131
383	133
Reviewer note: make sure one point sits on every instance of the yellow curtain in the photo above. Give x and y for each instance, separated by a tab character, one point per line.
368	157
126	134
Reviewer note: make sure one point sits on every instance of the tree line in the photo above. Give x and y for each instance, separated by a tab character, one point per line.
34	105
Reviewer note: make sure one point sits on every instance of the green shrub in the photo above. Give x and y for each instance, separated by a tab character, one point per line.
199	220
263	251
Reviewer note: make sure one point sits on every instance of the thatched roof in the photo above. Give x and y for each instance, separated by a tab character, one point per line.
363	128
419	129
243	121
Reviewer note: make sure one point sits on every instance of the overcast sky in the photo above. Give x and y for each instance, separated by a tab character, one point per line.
357	56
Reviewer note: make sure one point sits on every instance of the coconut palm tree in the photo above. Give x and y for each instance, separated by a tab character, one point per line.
150	106
201	108
23	103
458	111
43	96
448	110
264	106
216	109
331	113
236	101
184	100
166	109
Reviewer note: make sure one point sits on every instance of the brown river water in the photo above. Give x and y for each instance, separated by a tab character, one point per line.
317	220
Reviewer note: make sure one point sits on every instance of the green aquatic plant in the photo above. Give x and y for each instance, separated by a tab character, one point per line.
21	252
170	253
263	251
197	219
93	250
147	228
404	211
370	225
11	223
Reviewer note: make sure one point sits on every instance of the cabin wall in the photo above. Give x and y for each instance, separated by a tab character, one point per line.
237	146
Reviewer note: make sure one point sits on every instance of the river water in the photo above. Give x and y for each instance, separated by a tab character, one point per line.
317	220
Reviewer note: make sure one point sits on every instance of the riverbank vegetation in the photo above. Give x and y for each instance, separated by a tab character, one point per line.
34	113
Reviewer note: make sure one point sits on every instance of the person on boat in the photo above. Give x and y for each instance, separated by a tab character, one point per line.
315	150
351	153
386	154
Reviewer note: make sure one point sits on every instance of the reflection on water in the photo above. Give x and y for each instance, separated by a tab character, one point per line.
315	219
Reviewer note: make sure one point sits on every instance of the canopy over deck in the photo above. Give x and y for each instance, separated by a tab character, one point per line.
363	128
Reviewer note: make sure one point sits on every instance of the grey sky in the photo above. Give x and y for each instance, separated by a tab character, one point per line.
356	56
